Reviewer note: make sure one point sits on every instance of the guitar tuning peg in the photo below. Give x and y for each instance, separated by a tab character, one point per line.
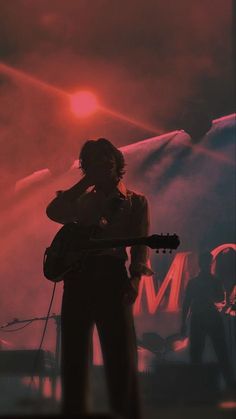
170	251
157	251
163	251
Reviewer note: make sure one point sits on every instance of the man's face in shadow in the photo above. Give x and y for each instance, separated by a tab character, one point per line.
102	167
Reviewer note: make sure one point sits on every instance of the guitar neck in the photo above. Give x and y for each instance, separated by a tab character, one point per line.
94	244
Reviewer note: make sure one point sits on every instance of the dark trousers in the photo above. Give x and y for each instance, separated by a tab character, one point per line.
209	324
95	297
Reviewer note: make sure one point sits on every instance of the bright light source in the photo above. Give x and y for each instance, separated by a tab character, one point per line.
83	103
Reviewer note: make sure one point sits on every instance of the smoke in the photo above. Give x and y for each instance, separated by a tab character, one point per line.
141	59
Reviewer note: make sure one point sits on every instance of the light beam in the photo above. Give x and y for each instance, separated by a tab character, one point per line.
24	77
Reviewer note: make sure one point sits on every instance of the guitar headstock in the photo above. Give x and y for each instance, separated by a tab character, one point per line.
163	241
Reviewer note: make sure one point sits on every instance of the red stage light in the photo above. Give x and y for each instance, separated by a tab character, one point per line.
228	404
83	103
180	344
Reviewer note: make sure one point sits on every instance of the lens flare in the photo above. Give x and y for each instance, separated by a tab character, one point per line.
83	103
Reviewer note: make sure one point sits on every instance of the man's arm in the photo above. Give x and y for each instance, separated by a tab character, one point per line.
140	227
139	254
219	290
63	209
220	294
186	307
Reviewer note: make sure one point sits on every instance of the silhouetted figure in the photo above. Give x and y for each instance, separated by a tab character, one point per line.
102	293
225	269
201	297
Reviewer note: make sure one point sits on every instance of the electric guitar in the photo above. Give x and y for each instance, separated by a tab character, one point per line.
72	244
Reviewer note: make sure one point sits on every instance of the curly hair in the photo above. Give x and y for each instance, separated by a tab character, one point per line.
106	148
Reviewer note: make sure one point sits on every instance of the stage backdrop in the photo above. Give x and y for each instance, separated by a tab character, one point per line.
191	190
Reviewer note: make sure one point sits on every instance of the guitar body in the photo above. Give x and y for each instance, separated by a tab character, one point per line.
64	251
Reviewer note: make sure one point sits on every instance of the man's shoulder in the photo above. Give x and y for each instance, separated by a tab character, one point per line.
136	196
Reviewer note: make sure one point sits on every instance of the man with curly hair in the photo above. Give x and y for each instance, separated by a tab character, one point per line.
102	293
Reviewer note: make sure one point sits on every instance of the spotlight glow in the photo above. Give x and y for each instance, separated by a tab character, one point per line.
83	103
